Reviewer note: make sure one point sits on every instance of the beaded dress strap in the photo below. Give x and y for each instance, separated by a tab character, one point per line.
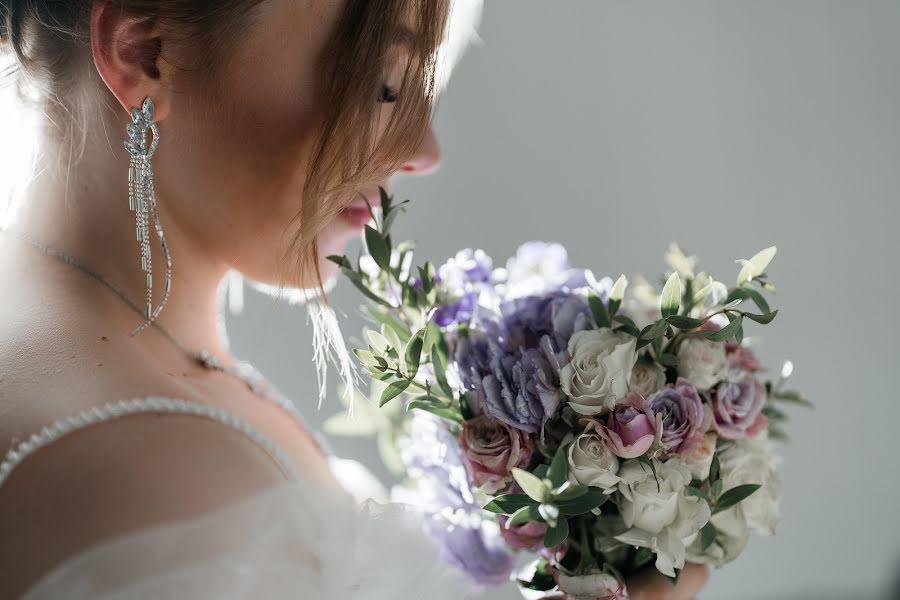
150	404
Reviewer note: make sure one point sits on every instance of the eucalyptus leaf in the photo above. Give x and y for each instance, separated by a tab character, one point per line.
430	404
437	365
570	493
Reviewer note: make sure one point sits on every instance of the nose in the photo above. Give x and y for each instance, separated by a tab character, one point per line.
427	157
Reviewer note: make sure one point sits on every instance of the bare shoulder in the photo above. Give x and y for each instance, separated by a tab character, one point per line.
117	477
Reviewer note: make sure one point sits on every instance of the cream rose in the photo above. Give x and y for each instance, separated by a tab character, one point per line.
591	462
660	516
647	379
699	460
702	362
751	460
599	370
732	536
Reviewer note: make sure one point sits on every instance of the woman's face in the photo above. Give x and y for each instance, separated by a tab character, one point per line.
242	166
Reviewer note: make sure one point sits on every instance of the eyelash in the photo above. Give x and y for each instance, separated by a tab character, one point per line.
387	95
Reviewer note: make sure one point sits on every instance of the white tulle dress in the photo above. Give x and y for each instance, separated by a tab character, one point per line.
291	541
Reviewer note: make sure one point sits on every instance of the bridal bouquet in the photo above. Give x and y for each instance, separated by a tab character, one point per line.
596	428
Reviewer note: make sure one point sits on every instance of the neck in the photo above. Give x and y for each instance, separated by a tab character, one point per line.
82	210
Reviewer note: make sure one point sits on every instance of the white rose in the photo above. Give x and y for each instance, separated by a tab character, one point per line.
647	378
732	536
660	516
599	371
702	362
592	463
699	460
751	460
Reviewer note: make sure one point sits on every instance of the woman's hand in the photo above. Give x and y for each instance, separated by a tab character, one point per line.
653	585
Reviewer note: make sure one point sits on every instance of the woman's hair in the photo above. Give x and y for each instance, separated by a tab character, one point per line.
50	43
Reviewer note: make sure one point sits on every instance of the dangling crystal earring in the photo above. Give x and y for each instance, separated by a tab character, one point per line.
142	196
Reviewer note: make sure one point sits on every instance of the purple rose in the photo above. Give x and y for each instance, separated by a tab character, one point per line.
630	428
683	419
522	388
737	404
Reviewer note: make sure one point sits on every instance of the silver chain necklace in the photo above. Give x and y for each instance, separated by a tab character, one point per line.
244	371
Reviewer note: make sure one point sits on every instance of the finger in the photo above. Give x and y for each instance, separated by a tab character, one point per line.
691	581
650	584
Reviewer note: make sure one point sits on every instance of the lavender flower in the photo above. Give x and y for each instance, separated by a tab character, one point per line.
467	541
557	315
522	389
541	267
460	311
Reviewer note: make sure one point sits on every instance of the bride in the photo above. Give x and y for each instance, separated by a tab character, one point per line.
181	141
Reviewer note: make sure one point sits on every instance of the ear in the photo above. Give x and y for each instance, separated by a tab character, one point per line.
127	53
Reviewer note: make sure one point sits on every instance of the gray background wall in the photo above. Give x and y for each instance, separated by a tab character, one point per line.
617	127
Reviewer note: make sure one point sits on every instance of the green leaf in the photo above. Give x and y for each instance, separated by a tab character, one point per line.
540	471
773	414
393	390
413	354
387	318
654	330
570	493
670	299
593	498
378	248
601	317
734	495
695	491
716	489
792	396
557	535
714	467
340	261
726	332
523	515
508	504
668	360
531	485
434	406
628	325
559	468
440	373
356	279
707	536
764	319
685	322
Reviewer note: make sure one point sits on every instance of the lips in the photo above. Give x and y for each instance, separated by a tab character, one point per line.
357	213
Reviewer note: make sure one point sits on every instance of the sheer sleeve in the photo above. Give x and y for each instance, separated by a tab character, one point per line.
291	541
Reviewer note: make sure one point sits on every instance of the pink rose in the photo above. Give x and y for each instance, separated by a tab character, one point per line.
525	536
737	404
741	357
630	428
491	449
